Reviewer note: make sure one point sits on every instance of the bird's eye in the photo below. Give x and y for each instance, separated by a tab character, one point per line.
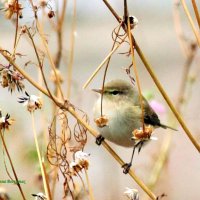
115	92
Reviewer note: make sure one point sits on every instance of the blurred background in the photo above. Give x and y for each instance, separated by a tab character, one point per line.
156	35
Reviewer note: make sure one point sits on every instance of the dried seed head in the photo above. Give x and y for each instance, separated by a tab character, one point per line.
101	121
140	134
51	14
132	194
32	102
5	122
133	21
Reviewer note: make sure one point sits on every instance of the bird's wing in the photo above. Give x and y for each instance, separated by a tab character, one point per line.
150	117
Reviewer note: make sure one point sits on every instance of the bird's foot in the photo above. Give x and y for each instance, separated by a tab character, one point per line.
99	139
126	167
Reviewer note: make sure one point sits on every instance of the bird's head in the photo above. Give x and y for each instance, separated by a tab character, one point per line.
117	90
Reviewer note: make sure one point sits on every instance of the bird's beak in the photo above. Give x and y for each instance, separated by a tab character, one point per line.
97	90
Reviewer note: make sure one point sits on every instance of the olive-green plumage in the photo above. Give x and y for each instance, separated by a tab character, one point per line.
121	105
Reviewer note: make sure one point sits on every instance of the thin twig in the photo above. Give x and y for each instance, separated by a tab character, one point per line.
106	68
196	11
40	65
136	74
12	166
49	57
17	23
178	28
103	62
196	32
71	57
91	195
45	182
162	158
59	31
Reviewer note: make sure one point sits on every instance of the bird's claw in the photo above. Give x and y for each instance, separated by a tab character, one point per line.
99	139
126	167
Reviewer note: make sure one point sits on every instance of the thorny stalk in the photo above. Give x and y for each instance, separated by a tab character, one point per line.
44	177
196	32
80	120
158	84
12	166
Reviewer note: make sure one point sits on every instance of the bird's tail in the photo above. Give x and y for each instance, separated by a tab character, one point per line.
165	127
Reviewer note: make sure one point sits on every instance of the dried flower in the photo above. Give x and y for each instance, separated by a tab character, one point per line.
39	196
101	121
133	21
11	7
81	162
51	14
5	122
143	135
3	194
11	79
32	102
80	156
132	194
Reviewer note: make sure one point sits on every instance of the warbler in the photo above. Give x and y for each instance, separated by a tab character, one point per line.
121	109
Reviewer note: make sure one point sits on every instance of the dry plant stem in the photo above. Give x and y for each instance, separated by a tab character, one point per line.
71	58
16	27
196	12
85	190
91	195
12	166
178	28
40	65
159	164
167	99
74	114
103	62
136	74
159	86
196	32
17	42
49	57
45	182
60	22
106	68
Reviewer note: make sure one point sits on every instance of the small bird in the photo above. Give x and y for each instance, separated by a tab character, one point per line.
121	108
